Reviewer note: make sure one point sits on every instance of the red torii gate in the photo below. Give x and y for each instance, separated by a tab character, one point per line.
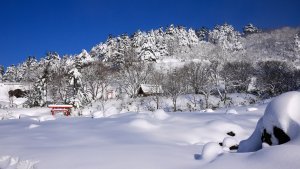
66	109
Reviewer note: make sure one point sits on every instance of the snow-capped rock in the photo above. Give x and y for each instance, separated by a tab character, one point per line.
279	124
229	142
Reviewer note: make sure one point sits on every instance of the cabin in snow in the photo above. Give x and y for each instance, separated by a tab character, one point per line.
148	90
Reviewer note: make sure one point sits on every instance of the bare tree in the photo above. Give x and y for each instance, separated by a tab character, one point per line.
157	80
237	75
95	81
174	86
132	75
275	77
200	79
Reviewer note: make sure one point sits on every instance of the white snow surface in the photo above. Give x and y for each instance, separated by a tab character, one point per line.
138	140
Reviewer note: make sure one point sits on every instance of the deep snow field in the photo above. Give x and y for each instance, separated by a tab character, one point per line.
32	138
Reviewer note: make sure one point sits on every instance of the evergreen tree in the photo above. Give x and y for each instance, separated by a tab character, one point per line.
202	34
2	70
10	74
38	96
149	50
250	29
75	83
226	37
192	37
297	43
28	69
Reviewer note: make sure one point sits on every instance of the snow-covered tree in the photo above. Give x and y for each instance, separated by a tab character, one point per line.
182	36
137	39
297	43
199	78
11	74
75	84
174	85
99	51
226	37
95	78
250	29
29	69
149	50
39	94
202	34
161	43
192	37
237	76
84	57
275	77
2	70
132	75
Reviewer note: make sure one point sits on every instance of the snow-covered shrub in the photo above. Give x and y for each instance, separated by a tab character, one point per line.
279	124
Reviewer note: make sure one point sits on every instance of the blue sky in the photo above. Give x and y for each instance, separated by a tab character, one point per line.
33	27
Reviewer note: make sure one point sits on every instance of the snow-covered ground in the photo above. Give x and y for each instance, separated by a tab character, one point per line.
135	140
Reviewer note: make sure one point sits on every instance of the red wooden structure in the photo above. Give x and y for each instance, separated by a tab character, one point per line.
66	109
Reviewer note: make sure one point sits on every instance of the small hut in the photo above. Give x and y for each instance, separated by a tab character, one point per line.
149	90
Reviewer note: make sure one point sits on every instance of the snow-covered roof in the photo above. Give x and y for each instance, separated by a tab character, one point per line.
150	89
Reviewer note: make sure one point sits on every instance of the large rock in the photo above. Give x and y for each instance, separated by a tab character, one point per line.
279	124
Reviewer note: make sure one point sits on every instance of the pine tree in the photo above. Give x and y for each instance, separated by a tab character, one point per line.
75	83
202	34
161	43
226	37
38	96
149	50
297	43
250	29
2	70
192	37
85	57
99	51
10	74
28	69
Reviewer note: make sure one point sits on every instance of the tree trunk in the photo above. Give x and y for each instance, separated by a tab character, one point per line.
206	101
174	104
157	101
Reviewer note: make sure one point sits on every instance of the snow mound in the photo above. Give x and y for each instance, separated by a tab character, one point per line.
142	124
31	126
231	111
46	118
279	124
252	109
211	150
111	111
229	142
8	162
209	110
98	114
159	114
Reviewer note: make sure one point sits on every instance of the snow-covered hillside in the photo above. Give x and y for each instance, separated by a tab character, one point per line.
139	140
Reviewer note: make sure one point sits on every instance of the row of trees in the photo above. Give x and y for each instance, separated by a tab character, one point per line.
265	79
77	82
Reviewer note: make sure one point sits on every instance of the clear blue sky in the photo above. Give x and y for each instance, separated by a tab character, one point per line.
32	27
